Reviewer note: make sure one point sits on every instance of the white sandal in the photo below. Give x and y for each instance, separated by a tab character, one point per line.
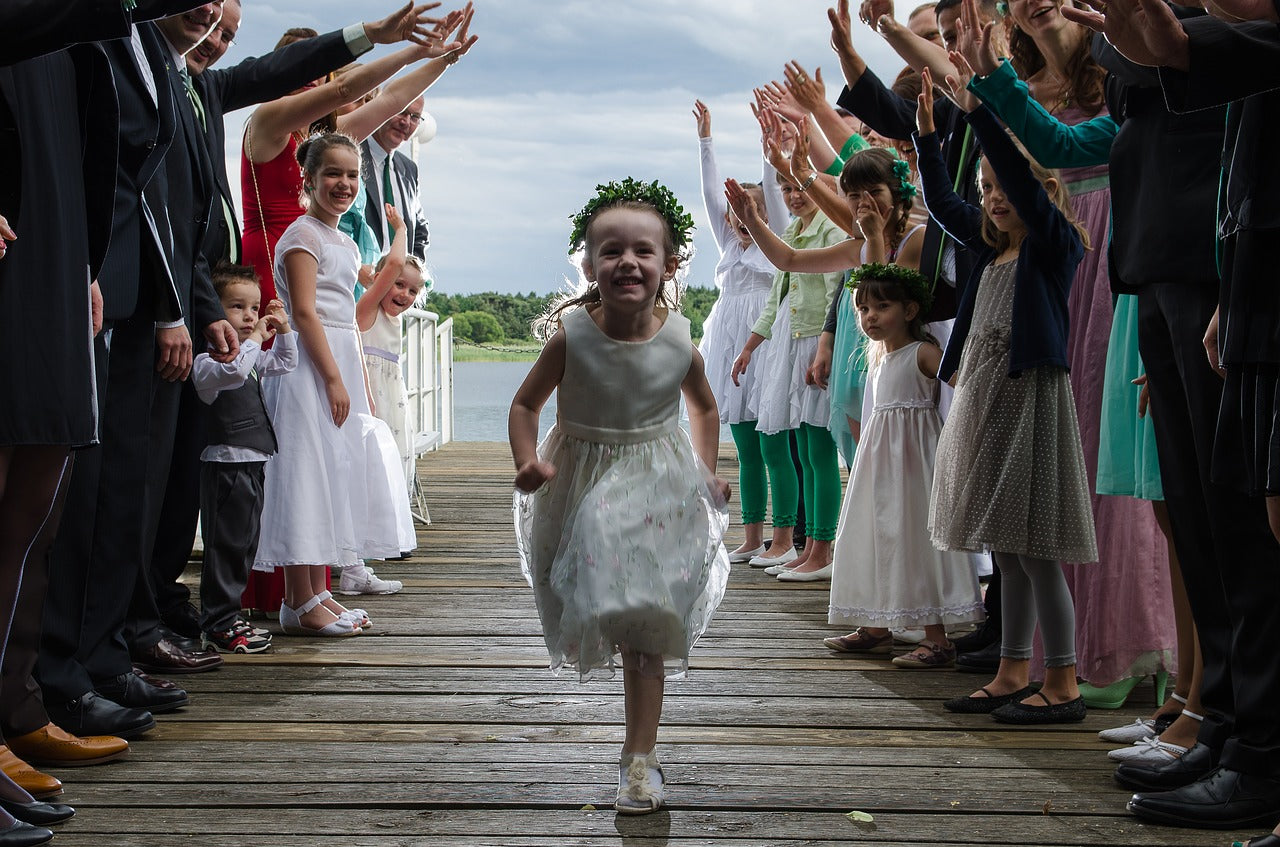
359	618
640	782
291	621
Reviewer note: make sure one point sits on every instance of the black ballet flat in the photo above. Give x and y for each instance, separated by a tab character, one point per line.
38	813
1072	711
984	705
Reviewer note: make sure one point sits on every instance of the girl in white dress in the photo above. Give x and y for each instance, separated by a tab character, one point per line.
744	277
618	515
334	491
887	574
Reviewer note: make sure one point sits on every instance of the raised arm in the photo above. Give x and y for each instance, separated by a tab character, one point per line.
371	300
837	257
961	221
712	187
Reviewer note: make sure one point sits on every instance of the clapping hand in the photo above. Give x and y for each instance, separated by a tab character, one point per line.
1146	33
436	44
703	116
465	40
6	235
924	105
958	83
779	98
974	41
841	24
533	475
408	23
742	203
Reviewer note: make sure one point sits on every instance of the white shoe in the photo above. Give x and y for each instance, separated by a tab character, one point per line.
909	636
640	782
770	561
807	576
1130	732
777	569
360	579
1148	752
745	555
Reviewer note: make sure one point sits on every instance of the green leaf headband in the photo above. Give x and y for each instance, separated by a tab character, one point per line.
916	284
652	194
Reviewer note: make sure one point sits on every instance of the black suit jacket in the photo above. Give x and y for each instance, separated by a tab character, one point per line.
895	117
253	81
405	173
30	28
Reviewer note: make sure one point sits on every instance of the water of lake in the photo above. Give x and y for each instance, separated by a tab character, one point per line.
482	393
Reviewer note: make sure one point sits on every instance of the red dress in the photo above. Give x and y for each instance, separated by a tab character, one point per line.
279	185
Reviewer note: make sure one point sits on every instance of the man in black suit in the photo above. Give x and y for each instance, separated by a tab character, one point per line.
95	561
211	94
392	177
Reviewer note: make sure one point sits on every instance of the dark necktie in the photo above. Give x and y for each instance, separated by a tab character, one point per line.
388	195
197	106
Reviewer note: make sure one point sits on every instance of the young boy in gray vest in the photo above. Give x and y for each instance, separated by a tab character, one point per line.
241	441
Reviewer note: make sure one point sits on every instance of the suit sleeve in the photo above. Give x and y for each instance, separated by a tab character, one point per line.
1229	62
270	77
30	28
885	112
1049	140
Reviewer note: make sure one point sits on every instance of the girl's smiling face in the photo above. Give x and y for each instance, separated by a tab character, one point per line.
994	202
627	257
333	186
404	292
798	201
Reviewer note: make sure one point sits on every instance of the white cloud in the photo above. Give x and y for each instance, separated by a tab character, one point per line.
562	94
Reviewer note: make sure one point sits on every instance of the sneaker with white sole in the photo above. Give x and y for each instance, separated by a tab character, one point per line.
240	638
361	579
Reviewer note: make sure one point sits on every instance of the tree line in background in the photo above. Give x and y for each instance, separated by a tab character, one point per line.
491	318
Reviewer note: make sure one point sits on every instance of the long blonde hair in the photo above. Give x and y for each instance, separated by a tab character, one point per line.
1058	194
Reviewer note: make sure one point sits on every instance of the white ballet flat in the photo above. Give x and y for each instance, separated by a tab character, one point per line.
1129	733
768	562
1148	751
745	555
823	573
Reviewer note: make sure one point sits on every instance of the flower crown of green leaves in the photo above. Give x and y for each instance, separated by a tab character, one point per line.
652	194
915	283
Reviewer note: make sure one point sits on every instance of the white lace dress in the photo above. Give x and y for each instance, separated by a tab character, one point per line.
386	385
333	495
622	547
886	571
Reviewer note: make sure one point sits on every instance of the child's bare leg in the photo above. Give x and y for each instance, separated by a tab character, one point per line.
642	685
299	587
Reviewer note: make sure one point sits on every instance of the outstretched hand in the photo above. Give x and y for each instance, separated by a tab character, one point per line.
808	92
465	39
1146	33
924	104
703	116
408	23
974	41
742	203
533	475
841	24
438	43
958	83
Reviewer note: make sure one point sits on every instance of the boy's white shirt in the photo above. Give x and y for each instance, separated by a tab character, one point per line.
210	378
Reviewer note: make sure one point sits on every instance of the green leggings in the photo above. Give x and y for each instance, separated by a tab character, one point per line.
821	478
752	481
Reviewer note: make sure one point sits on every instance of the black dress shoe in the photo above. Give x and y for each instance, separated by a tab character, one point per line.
1184	770
182	642
1225	799
986	660
90	714
983	636
37	813
166	657
23	834
1269	840
183	620
136	692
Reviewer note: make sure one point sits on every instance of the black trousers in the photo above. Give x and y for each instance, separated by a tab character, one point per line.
1228	556
181	506
94	564
231	515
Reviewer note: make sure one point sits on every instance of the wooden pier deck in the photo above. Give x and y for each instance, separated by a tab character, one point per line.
443	727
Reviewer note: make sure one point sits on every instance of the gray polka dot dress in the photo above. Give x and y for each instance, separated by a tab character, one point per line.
1010	472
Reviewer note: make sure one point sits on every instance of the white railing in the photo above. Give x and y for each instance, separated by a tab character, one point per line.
428	374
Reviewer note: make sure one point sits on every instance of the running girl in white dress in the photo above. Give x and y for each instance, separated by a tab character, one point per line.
618	514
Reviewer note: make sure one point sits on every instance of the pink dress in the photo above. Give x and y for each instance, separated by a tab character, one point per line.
1124	616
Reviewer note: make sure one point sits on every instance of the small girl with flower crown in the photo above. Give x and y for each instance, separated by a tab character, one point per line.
618	515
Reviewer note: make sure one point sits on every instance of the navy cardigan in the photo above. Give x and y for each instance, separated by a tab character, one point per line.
1047	259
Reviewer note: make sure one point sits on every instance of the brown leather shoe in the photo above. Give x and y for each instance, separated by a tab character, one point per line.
167	658
52	745
39	785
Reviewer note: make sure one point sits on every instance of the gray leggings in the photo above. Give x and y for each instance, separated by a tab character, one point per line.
1034	588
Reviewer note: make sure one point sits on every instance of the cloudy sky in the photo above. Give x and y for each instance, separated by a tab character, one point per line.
559	95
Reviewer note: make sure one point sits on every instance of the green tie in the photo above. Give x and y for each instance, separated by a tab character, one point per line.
197	105
389	195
